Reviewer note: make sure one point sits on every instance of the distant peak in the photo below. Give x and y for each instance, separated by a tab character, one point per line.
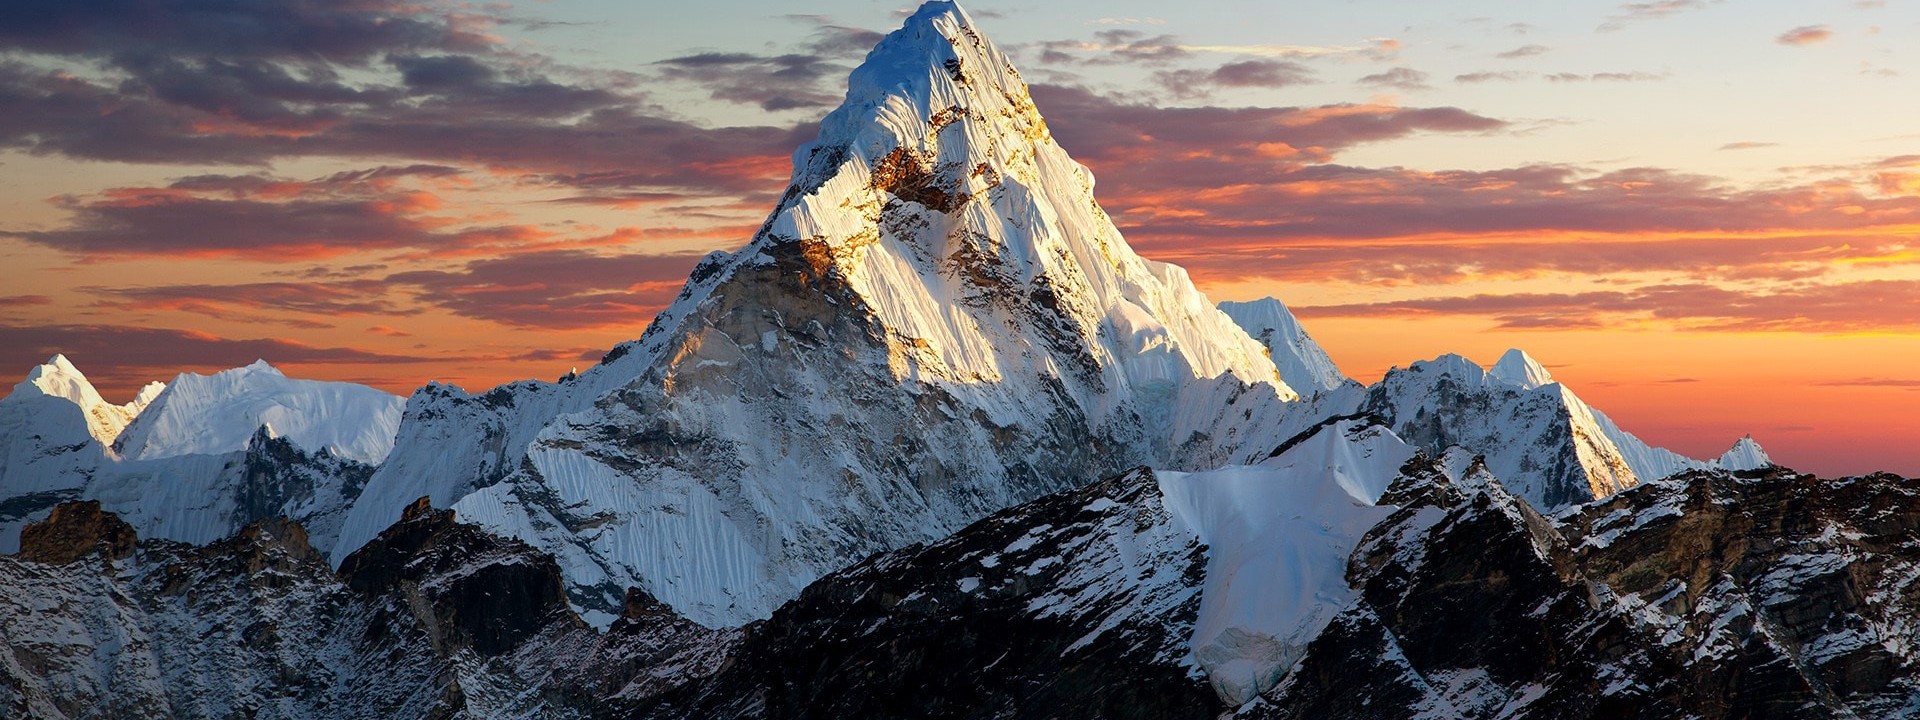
1453	364
57	377
1746	454
1519	369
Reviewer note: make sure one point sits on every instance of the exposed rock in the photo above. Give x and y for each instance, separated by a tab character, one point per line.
1077	605
467	587
75	530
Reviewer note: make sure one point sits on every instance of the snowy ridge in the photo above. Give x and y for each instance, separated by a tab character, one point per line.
1302	363
202	414
1278	536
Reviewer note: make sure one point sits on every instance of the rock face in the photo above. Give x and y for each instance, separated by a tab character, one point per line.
936	322
1077	605
446	622
1538	438
211	414
468	588
1711	595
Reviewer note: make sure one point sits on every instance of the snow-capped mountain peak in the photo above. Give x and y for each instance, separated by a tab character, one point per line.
1303	364
1540	439
1744	455
1520	370
207	414
58	378
936	321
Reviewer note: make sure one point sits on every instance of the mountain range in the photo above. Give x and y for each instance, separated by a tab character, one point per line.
934	443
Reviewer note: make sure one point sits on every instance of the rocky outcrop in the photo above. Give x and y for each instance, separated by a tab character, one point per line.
468	588
75	530
1712	595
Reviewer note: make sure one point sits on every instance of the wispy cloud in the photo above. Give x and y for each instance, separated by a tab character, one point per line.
1805	35
1524	51
1400	78
1630	13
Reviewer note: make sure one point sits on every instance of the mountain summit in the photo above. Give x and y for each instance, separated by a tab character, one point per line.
936	322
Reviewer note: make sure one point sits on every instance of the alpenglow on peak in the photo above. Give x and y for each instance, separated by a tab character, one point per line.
935	249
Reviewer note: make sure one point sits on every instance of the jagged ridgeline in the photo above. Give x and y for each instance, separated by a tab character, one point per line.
934	443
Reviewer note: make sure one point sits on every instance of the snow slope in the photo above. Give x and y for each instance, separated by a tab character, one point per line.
1302	363
936	322
1278	536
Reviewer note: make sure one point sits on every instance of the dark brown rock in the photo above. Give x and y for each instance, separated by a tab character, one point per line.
75	530
470	589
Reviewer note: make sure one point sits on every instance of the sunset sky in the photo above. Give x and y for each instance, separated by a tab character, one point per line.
1702	216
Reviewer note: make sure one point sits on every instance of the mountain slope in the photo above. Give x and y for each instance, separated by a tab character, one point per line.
935	323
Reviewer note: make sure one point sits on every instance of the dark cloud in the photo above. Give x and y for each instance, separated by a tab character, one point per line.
1098	128
242	301
296	30
250	216
1399	78
250	83
1242	74
775	82
563	289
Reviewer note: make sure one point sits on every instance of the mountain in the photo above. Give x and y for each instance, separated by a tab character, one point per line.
204	414
1278	534
1535	435
1541	439
937	321
1744	455
1303	364
1445	595
196	459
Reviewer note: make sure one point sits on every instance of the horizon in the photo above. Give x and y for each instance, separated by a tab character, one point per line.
483	196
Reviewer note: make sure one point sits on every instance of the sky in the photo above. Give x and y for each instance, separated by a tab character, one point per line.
1704	217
